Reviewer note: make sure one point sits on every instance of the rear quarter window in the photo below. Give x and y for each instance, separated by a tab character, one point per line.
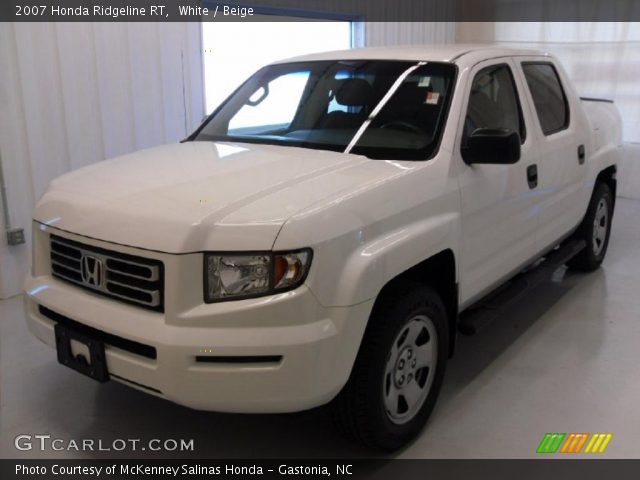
548	96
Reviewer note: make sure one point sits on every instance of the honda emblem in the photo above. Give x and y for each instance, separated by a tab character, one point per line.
92	271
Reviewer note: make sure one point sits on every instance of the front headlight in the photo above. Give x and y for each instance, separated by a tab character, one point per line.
235	276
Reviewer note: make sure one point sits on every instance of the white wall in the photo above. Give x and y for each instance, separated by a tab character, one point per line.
378	34
75	93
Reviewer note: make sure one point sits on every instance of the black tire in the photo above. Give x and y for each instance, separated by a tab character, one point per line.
359	410
593	254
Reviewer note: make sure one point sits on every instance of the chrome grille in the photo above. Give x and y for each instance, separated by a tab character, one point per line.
129	278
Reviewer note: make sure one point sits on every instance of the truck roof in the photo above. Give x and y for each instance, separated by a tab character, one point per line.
458	53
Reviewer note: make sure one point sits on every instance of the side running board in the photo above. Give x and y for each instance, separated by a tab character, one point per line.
483	313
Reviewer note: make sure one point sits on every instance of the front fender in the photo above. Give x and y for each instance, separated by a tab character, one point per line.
361	275
365	237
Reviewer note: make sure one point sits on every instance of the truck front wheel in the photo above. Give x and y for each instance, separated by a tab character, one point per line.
595	230
399	369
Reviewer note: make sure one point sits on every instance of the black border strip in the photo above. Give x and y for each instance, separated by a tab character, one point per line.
376	468
347	10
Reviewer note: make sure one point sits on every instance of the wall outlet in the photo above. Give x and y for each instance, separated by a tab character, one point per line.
15	236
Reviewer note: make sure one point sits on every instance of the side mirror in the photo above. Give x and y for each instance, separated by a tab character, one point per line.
492	146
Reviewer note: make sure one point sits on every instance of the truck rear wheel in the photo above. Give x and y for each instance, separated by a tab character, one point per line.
399	370
595	230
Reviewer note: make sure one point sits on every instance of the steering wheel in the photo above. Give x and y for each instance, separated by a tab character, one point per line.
405	126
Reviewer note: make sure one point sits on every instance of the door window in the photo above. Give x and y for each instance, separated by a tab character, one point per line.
493	102
228	60
548	96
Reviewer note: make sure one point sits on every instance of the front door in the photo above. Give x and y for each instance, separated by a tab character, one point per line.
499	214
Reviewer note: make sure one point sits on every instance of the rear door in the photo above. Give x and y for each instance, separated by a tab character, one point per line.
498	201
561	153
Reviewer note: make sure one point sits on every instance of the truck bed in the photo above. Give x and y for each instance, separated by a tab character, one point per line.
605	122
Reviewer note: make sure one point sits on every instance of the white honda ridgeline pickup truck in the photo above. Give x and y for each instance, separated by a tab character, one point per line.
321	235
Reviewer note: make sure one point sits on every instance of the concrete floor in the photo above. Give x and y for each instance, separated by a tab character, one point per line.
565	359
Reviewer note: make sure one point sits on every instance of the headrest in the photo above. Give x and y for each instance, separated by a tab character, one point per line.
353	92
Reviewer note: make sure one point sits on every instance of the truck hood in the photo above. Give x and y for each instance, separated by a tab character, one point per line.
199	196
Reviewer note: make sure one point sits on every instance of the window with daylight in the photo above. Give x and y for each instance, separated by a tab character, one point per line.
233	51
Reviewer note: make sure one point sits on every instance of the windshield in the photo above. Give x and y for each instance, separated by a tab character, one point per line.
380	109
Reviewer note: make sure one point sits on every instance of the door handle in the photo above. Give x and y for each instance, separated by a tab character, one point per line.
581	154
532	176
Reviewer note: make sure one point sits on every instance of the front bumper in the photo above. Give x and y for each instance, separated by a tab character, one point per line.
314	346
